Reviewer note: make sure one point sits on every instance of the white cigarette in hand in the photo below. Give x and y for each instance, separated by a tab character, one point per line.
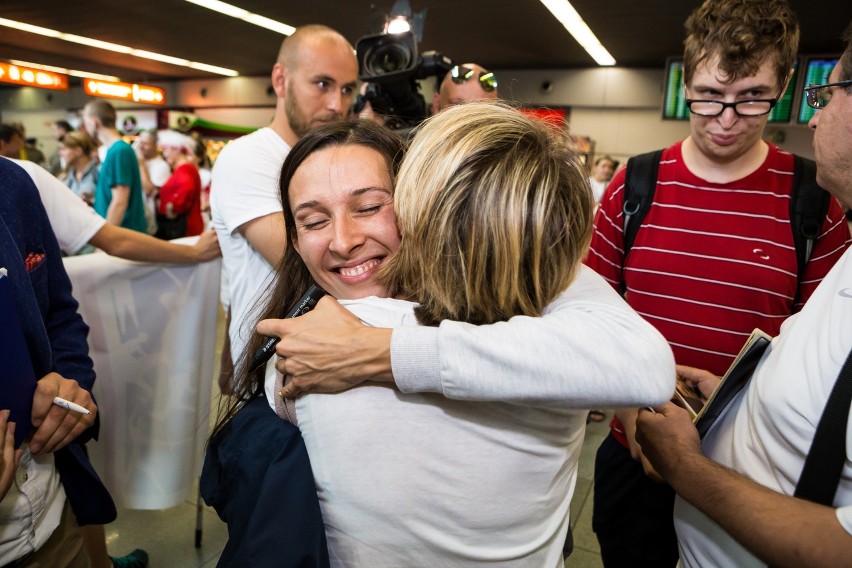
68	405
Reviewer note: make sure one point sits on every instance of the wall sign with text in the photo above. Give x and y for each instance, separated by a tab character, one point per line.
25	76
125	91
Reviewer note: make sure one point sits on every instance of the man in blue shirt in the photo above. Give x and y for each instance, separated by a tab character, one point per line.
40	512
118	197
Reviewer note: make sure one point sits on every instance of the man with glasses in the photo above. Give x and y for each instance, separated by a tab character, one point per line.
714	257
742	511
465	83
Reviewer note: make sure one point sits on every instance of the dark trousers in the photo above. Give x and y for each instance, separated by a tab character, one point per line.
632	514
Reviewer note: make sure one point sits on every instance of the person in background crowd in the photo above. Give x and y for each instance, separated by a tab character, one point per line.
314	79
29	151
179	209
463	84
602	172
118	197
81	171
11	141
714	257
154	171
58	129
735	504
77	225
202	162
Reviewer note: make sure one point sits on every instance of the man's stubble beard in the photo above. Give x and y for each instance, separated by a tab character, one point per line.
299	123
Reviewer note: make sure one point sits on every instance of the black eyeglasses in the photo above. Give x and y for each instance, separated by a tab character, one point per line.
487	80
819	95
754	107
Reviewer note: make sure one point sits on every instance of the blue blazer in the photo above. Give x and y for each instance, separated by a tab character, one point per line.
258	477
54	331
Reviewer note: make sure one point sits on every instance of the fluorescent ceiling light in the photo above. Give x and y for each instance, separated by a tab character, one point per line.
568	17
116	47
245	15
72	72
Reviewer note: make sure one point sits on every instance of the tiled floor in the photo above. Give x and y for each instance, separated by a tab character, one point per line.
169	535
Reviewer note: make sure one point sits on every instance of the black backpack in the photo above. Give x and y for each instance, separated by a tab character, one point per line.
808	203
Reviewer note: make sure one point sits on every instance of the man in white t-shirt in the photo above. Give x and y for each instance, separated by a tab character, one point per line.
154	172
76	225
741	512
314	80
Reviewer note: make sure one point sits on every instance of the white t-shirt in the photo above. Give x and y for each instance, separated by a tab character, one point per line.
244	188
598	188
158	170
73	222
767	431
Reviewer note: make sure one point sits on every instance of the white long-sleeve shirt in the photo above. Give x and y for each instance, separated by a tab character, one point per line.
428	479
588	350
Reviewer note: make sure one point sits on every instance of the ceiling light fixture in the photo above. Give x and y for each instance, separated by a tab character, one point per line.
116	47
568	17
245	15
72	72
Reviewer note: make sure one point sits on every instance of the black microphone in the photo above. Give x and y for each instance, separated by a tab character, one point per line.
305	304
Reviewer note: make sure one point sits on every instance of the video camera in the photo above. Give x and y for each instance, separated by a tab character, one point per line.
391	65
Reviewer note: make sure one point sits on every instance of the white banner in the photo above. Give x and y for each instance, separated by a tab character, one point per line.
152	339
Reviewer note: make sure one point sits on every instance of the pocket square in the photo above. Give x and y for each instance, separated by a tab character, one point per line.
33	260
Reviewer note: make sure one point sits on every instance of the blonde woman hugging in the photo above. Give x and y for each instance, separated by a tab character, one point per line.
472	457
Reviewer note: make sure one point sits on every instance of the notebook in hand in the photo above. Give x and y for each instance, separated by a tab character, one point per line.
735	379
17	379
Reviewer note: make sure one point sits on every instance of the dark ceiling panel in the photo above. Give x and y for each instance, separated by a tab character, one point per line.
498	34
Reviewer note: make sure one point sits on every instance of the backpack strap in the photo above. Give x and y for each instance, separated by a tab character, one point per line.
808	207
640	182
824	463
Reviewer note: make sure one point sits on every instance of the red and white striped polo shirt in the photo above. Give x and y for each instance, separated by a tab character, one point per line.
713	261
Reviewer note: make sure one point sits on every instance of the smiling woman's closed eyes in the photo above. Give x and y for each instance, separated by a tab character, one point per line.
342	200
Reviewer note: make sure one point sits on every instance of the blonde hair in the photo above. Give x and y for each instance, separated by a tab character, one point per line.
495	213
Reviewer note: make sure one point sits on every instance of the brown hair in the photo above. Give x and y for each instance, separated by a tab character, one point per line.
292	278
78	139
500	206
101	110
743	34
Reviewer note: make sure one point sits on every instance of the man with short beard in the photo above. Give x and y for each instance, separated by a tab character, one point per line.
314	80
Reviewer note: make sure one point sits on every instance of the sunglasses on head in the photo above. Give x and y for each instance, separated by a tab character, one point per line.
459	74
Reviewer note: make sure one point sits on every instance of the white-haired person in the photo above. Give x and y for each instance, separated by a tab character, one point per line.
494	218
179	207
